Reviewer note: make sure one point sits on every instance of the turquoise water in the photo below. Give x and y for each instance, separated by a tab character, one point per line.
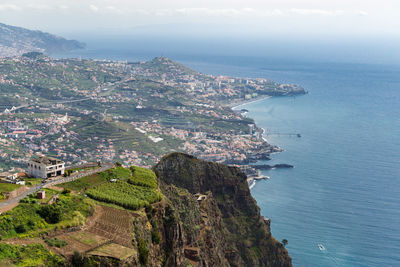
344	191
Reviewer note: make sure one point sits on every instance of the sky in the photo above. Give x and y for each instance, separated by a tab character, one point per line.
325	18
360	29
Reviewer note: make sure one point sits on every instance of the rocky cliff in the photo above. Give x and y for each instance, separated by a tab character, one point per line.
210	217
205	217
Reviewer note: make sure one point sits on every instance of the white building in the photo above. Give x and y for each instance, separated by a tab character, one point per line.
45	167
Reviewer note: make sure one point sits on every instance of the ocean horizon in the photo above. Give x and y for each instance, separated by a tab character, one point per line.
343	192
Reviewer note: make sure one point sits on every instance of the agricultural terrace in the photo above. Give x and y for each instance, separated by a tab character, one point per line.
131	188
30	218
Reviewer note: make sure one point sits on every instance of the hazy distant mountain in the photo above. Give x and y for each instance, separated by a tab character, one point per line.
15	41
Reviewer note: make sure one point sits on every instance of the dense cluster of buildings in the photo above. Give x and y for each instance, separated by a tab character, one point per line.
49	130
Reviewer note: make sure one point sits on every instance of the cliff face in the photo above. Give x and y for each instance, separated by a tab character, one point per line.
212	219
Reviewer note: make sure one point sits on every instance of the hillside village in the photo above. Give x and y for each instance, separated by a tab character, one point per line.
88	111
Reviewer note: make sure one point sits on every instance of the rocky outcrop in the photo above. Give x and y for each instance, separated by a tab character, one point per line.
212	219
269	167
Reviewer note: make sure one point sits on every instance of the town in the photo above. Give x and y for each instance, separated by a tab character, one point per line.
104	111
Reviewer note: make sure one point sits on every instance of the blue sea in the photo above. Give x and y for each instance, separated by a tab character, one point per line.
344	191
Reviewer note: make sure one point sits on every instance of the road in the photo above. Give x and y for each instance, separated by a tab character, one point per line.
11	202
78	175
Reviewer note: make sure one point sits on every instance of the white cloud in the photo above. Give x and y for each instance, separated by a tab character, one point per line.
362	13
321	12
94	8
258	16
42	7
9	7
242	12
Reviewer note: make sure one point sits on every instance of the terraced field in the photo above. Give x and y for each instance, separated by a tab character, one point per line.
130	188
107	226
125	195
114	224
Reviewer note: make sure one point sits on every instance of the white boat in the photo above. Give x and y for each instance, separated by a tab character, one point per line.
321	247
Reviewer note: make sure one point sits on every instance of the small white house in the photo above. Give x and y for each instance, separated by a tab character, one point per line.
45	167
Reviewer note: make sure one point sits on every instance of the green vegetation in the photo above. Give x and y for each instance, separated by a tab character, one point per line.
134	187
87	182
55	242
143	251
88	238
155	237
32	181
5	188
31	219
50	213
30	255
143	177
123	135
125	195
84	183
33	55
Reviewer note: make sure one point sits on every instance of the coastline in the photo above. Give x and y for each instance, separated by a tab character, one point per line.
251	178
238	103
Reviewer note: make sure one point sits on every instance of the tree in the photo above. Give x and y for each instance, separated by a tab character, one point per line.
20	229
50	213
284	242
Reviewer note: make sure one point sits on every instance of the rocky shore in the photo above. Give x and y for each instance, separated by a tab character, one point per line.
253	171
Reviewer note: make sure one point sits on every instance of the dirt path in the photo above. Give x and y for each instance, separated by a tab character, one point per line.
8	207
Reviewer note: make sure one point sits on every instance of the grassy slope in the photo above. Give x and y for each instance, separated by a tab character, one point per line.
132	190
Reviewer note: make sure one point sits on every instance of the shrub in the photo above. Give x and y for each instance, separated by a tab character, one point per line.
148	209
50	213
31	223
77	259
143	251
20	229
29	255
56	242
66	191
155	236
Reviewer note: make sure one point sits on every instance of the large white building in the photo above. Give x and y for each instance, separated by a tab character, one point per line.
45	167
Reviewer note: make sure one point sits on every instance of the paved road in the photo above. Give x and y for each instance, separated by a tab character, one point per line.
38	187
78	175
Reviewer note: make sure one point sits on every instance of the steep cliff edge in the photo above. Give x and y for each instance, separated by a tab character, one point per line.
204	217
215	219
